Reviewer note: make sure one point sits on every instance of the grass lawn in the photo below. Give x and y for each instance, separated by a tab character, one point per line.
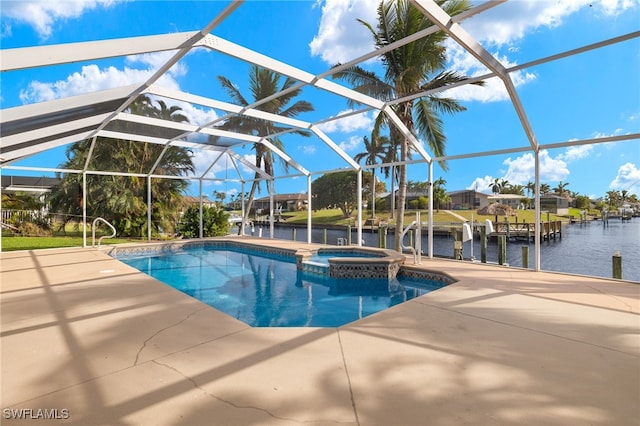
335	217
12	243
72	238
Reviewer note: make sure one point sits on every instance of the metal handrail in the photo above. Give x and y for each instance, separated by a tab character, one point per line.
93	231
413	250
417	250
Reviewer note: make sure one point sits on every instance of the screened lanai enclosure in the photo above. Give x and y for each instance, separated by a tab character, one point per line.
30	130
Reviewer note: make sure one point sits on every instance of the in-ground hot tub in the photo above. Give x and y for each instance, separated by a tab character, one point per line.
351	262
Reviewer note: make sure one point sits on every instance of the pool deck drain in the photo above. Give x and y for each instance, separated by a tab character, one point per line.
94	341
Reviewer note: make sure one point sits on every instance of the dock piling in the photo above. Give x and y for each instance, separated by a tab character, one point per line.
457	244
502	249
616	261
525	257
483	244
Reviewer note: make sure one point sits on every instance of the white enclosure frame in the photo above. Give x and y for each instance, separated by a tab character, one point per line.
23	135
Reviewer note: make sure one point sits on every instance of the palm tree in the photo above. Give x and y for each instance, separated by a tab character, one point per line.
544	188
624	195
409	71
373	151
440	195
561	188
264	83
391	156
531	188
169	113
122	200
496	186
219	197
613	199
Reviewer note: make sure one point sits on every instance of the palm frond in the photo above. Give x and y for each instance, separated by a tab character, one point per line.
232	91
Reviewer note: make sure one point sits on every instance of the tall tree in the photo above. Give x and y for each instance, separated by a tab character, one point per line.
336	189
496	186
440	195
561	189
391	156
613	199
545	188
410	70
374	150
122	200
264	83
531	188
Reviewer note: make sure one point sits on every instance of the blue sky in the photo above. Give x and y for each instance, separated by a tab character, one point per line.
586	96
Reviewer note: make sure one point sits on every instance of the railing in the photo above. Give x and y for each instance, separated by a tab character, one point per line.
93	231
417	251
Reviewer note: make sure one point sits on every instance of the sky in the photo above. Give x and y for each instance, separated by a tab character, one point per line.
590	95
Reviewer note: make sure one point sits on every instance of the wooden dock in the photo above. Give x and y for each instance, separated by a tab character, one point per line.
526	231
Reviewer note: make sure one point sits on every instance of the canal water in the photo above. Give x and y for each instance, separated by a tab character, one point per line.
585	249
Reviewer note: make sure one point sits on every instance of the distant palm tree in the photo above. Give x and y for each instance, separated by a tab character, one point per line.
624	195
264	83
561	188
373	151
513	189
544	188
440	195
613	198
531	188
391	156
409	70
496	186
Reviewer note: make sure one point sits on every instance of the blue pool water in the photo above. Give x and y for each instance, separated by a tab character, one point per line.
325	255
270	292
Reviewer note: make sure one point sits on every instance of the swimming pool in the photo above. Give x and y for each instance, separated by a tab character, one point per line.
267	290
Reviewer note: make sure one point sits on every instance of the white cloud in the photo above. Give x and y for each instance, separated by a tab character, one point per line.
481	184
155	60
251	159
576	152
349	124
307	149
90	79
522	169
195	115
340	36
494	88
42	14
512	21
351	144
628	178
203	159
504	26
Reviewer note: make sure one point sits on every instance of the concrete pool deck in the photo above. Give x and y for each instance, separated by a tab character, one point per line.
94	341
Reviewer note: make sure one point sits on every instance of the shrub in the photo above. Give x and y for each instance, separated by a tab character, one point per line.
33	230
215	222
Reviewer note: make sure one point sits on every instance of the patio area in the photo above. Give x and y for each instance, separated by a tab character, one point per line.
95	342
